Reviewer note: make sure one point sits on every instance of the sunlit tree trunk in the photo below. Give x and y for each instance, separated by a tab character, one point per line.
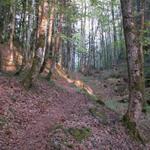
57	43
48	35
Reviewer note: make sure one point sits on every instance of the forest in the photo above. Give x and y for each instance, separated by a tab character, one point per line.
74	74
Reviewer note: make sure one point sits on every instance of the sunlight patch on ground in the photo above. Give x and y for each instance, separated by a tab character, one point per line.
78	83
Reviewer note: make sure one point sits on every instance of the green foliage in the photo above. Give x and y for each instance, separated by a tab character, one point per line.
95	112
77	39
5	2
94	2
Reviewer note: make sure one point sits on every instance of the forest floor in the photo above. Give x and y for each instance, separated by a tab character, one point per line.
59	115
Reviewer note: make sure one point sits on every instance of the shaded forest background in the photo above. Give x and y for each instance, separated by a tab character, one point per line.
83	36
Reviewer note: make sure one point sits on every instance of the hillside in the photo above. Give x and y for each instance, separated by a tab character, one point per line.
57	115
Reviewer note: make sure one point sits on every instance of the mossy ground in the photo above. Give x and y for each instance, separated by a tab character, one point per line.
99	114
80	134
117	106
133	130
92	97
63	136
3	121
58	138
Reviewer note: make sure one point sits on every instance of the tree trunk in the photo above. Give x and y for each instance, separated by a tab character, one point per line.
114	33
132	116
56	45
13	12
48	38
33	72
141	47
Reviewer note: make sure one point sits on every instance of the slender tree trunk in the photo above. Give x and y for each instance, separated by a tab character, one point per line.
141	53
48	42
57	44
114	33
13	12
23	34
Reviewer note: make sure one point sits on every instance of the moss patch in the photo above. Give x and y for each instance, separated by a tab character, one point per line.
91	97
3	121
80	134
95	112
99	114
59	138
132	127
147	108
117	106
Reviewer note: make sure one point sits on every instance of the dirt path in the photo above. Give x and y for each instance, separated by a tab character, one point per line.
42	118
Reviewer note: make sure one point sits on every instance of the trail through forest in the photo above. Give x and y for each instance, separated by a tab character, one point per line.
61	117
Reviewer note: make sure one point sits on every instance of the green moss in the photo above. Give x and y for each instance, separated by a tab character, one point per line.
117	106
3	121
51	83
31	75
132	127
94	111
91	97
62	142
100	115
147	108
49	76
68	145
80	134
147	82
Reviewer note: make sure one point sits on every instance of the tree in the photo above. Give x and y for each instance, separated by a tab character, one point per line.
132	116
13	12
27	81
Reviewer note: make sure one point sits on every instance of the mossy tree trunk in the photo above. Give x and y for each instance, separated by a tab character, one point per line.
32	74
54	45
142	12
34	71
136	99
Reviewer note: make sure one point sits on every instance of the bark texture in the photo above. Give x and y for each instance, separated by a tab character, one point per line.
134	67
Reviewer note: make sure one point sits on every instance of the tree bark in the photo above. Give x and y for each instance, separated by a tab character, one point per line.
33	72
132	116
13	12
